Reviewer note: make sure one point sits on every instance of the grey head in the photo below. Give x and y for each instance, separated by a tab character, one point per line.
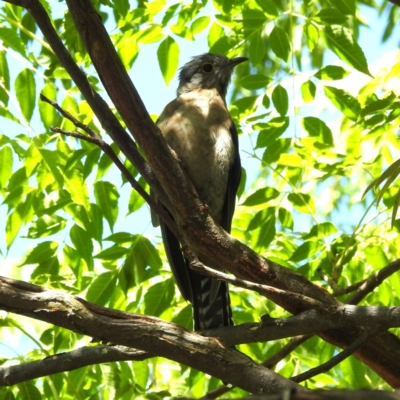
208	71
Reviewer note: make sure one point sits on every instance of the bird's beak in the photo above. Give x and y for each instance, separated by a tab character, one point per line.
238	60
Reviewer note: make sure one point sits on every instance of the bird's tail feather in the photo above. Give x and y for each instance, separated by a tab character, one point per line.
210	310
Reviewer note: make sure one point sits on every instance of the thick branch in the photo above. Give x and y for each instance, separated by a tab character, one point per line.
68	361
141	332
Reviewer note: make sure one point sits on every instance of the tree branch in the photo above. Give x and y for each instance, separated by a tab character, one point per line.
68	361
373	282
145	333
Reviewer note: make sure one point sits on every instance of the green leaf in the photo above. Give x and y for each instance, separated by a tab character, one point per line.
331	16
286	218
112	253
307	250
269	8
302	202
128	49
107	196
50	266
321	230
159	297
42	252
199	24
253	20
83	244
28	391
279	42
152	34
378	105
311	34
136	201
141	372
256	48
341	41
255	81
25	90
376	257
4	78
261	196
45	226
331	72
344	101
215	33
271	131
77	188
168	58
345	6
308	90
280	99
274	151
51	160
318	129
290	160
6	162
102	288
48	113
263	227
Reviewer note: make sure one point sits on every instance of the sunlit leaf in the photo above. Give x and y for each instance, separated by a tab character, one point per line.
331	72
256	48
308	90
6	162
168	58
302	202
332	16
279	42
159	297
318	129
200	24
280	99
107	199
342	42
306	251
102	288
271	131
261	196
83	244
344	101
25	90
254	81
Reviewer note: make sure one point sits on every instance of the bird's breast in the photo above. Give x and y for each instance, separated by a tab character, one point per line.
196	126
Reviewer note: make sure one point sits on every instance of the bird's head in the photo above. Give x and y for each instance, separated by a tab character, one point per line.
208	71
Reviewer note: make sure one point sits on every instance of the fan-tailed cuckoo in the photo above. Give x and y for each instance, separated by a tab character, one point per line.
199	128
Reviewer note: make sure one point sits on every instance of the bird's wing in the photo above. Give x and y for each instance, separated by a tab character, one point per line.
235	174
177	262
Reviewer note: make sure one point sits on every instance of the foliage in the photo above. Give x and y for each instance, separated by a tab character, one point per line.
312	139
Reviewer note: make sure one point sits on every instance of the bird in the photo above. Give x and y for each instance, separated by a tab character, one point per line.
199	129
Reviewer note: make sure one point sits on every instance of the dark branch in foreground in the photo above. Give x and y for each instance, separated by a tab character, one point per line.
165	339
144	333
68	361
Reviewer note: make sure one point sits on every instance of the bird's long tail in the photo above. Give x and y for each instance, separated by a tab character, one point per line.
210	310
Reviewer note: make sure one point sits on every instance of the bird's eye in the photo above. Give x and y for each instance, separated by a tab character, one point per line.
207	68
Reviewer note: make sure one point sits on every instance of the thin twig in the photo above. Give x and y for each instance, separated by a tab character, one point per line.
373	282
334	360
264	290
